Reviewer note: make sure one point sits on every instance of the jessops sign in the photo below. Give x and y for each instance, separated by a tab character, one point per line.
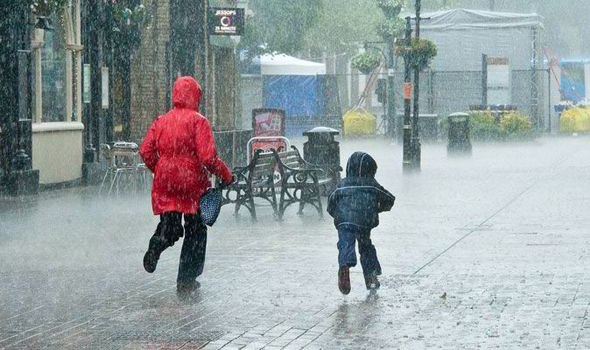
226	21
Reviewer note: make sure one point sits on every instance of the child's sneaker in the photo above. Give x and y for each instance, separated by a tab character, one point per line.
372	282
344	279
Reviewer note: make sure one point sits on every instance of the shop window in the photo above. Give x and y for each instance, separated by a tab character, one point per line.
53	66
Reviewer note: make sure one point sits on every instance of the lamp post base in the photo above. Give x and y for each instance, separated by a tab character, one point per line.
92	173
412	162
23	182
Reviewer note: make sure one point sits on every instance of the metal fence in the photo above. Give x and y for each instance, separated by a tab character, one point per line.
441	93
446	92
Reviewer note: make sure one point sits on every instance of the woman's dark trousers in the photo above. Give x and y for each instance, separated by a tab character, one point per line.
192	255
347	236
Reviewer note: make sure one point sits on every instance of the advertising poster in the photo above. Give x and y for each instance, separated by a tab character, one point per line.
268	122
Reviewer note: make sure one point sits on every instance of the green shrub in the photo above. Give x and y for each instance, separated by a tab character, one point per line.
485	127
517	125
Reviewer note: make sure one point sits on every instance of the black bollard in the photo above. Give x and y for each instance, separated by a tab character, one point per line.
459	142
321	149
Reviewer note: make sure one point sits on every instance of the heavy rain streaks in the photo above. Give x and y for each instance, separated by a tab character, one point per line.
377	188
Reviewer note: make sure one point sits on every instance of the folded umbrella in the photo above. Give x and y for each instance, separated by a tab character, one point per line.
210	205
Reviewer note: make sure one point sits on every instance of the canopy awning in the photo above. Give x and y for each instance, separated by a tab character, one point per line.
281	64
465	19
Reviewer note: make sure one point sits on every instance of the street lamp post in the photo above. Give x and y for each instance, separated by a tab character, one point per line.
416	147
391	110
91	57
15	94
407	134
108	61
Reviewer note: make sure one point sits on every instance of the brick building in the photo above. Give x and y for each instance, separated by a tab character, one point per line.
152	78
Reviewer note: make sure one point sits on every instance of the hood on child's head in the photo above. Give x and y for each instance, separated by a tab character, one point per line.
361	164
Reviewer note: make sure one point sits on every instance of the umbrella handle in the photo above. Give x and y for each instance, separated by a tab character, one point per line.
222	185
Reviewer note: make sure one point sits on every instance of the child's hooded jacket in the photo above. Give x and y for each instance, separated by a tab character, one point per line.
359	198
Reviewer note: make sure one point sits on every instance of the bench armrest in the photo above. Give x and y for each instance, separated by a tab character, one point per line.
240	169
307	165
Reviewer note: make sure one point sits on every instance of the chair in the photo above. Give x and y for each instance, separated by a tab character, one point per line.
124	169
143	175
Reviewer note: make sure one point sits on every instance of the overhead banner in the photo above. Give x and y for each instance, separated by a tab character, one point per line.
226	21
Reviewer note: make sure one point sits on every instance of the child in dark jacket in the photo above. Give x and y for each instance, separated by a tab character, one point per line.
355	205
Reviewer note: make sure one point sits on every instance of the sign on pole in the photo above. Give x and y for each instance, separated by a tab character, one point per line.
498	80
408	88
105	87
86	87
226	21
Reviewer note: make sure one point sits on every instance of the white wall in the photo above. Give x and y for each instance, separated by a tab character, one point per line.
57	151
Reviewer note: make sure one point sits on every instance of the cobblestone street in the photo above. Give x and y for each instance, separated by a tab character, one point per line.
482	252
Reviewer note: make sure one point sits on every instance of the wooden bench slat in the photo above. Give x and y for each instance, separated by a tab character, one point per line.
263	166
265	160
262	172
283	155
255	181
294	165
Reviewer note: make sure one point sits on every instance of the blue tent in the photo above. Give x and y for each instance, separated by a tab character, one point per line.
290	84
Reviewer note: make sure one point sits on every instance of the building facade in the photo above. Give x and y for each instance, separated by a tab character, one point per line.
57	127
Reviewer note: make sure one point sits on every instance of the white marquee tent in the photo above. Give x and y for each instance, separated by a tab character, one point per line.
281	64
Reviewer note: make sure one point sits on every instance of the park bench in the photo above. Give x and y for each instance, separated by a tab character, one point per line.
255	180
301	182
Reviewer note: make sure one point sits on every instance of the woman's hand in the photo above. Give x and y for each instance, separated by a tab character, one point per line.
226	184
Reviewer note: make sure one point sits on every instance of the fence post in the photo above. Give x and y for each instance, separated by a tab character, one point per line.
484	79
431	96
537	121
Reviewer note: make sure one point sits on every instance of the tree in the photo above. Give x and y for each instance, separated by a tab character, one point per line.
435	4
279	25
343	25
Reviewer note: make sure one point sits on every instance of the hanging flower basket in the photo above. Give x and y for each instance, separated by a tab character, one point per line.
419	54
391	8
129	23
366	62
126	17
45	8
391	28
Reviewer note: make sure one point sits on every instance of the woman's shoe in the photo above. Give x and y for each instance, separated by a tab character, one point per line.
344	279
150	260
185	289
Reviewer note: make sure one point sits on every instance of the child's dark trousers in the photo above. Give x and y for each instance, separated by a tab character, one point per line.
347	235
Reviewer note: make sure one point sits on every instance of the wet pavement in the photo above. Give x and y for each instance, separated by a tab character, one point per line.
488	251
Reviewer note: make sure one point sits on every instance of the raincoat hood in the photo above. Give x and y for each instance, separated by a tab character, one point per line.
187	93
361	164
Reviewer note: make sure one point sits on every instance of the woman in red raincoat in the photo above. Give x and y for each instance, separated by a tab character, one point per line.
179	149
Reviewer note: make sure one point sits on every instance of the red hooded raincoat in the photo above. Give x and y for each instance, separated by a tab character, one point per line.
179	149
